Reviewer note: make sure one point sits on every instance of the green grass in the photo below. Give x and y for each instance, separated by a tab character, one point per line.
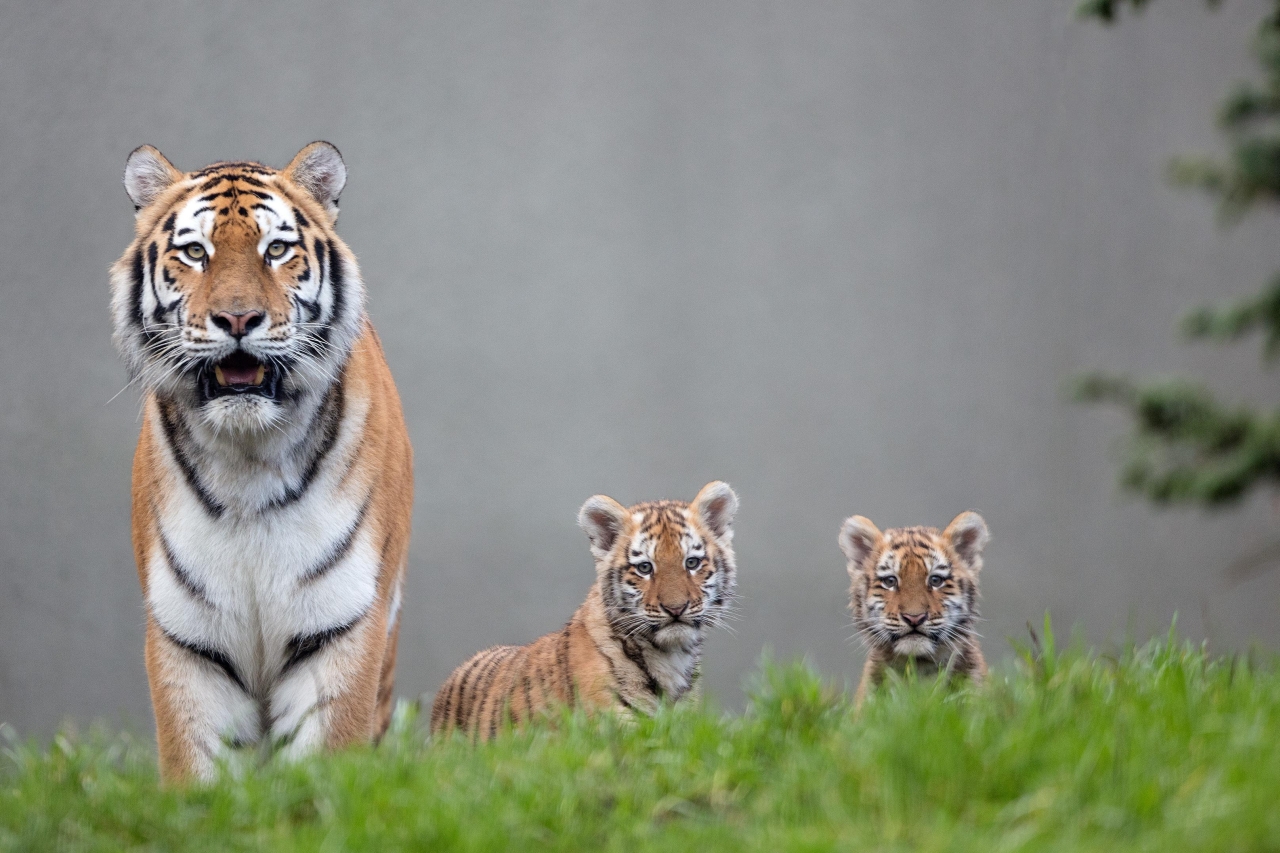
1158	748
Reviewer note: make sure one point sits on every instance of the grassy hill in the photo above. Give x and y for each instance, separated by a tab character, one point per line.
1159	748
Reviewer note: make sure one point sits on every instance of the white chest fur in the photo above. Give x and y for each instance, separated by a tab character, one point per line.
250	585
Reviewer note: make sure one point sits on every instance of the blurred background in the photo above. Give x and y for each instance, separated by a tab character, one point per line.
844	255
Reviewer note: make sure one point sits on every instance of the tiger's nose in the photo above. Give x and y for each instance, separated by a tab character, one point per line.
915	620
238	325
677	611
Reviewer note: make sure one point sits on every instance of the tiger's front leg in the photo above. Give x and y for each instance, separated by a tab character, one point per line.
327	694
202	707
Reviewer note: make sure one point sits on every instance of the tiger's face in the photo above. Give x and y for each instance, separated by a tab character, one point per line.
665	568
236	296
914	589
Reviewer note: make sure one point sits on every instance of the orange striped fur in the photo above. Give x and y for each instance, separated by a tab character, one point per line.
664	572
272	484
914	597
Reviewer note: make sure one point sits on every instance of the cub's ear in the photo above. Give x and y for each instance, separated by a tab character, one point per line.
968	535
603	520
858	539
147	173
716	505
319	170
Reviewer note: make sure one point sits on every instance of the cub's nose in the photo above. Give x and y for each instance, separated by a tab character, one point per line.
915	620
238	325
677	611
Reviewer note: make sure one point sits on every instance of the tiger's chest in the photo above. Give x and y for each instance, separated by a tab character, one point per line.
255	586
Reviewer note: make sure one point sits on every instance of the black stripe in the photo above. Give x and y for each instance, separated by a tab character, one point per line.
562	655
171	429
528	693
473	681
214	656
622	699
135	268
301	220
304	646
483	682
461	685
312	306
168	223
496	710
337	279
335	556
152	253
613	672
633	653
189	583
330	412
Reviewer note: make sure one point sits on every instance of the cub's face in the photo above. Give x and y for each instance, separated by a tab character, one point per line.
666	568
914	589
236	295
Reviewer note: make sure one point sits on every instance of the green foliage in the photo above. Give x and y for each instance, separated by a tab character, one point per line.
1186	447
1108	10
1159	748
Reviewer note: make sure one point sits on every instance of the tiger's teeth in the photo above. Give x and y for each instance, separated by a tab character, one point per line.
262	374
217	374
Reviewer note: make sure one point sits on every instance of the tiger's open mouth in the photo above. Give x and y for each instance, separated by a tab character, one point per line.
238	373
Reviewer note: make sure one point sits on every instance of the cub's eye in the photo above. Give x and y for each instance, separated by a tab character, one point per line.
889	582
194	251
643	569
692	563
277	248
936	582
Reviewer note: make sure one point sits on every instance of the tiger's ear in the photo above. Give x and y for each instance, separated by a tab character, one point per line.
604	520
147	173
968	534
858	539
716	505
319	170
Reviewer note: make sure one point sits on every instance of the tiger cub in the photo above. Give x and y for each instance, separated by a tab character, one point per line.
914	596
664	572
273	480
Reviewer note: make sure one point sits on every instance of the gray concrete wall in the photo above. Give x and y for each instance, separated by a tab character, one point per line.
842	255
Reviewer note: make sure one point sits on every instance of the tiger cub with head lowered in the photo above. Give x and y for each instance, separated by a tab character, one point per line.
914	596
664	572
273	482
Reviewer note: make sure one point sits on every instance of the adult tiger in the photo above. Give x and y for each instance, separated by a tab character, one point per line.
664	571
272	484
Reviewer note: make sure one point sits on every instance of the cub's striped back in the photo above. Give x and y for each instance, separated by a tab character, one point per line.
665	572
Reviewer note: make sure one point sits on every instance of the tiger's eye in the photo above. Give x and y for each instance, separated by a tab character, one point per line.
937	581
889	583
194	251
277	248
692	563
645	568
